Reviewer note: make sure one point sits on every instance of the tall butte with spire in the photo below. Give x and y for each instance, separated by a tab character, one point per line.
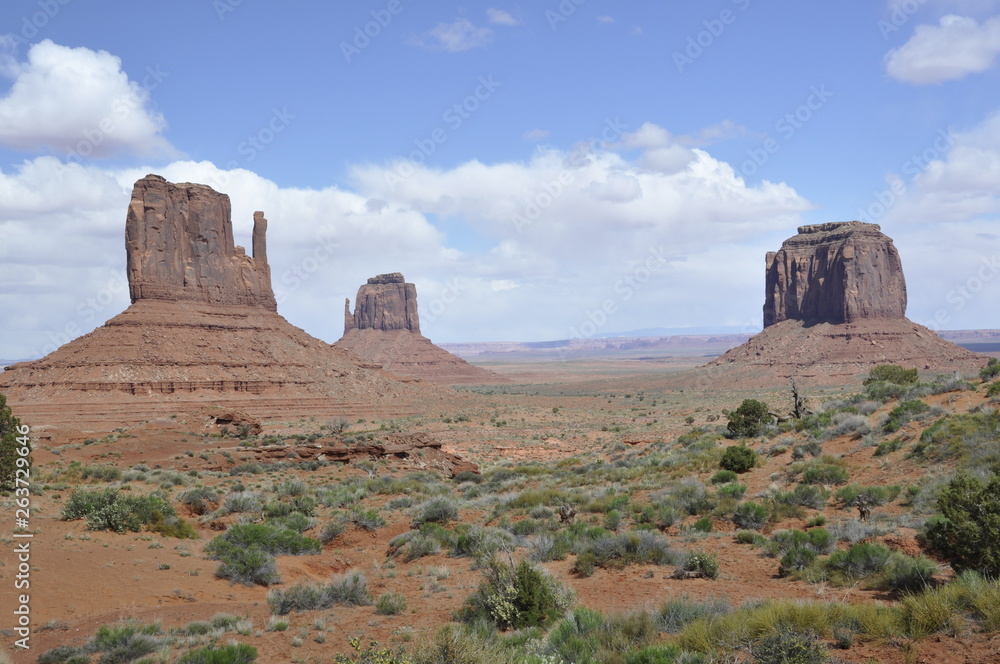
834	306
202	328
385	330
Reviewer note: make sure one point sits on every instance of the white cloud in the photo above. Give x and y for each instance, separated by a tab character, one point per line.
459	35
958	46
602	219
605	19
75	101
501	17
536	135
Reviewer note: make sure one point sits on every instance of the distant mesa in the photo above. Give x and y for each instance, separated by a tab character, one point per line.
385	330
840	272
202	328
834	306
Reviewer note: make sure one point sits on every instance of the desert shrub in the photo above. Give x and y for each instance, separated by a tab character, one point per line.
587	636
636	547
250	567
738	459
516	597
585	563
240	502
125	641
859	561
64	654
796	559
888	446
990	370
698	563
436	510
331	530
993	389
825	473
804	495
734	490
234	653
662	654
855	530
200	500
748	420
111	509
350	589
750	537
546	547
101	473
891	373
246	551
250	468
723	477
677	612
903	413
751	516
390	604
817	540
967	531
850	423
908	573
368	519
482	543
788	646
875	495
969	436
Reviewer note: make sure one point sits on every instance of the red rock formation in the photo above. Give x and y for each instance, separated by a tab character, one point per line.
385	303
202	328
385	330
179	246
834	307
840	272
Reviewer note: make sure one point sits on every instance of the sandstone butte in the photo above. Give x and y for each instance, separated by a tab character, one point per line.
834	306
202	328
385	330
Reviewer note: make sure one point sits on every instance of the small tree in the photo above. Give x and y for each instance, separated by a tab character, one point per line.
990	370
738	458
891	373
967	532
9	426
749	418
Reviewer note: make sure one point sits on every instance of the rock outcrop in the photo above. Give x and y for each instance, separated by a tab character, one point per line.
840	272
835	306
385	303
179	247
385	331
202	329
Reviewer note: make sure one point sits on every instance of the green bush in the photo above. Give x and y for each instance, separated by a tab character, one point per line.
787	646
201	500
903	413
235	653
734	490
698	563
738	459
967	532
990	370
350	589
436	510
804	495
859	561
749	419
619	550
751	516
390	604
516	597
993	389
891	373
825	473
10	460
796	559
246	551
907	573
723	477
111	509
875	495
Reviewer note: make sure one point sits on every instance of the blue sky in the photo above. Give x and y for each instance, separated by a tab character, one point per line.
539	170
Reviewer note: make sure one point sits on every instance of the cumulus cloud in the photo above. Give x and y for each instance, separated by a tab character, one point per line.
79	102
501	17
558	234
459	35
956	47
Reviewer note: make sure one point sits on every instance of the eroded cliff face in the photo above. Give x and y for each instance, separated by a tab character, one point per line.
179	247
385	303
840	272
